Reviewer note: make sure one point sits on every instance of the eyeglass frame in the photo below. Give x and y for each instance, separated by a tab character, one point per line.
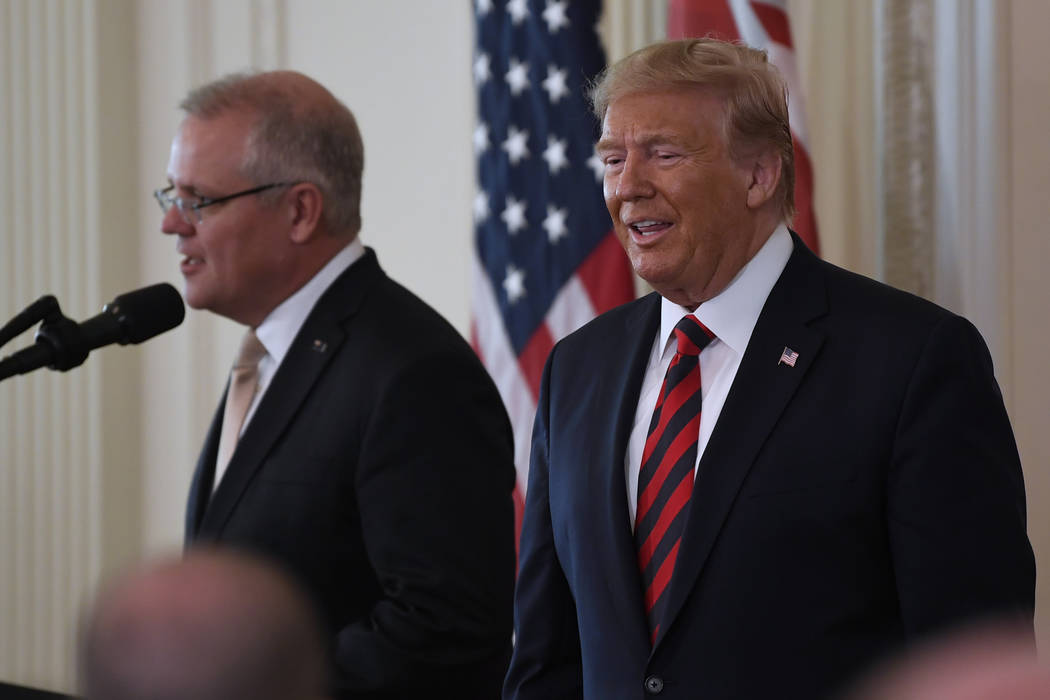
166	201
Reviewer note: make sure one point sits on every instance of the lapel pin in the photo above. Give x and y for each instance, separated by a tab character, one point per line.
320	346
788	357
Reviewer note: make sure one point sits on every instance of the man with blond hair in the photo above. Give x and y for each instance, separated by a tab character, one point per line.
771	471
360	444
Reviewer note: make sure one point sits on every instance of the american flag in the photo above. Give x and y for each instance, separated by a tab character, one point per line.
788	357
546	260
762	24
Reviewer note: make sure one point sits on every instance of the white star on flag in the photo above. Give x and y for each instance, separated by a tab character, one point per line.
595	163
519	10
554	224
517	77
482	69
555	154
514	215
481	206
516	145
483	7
514	283
555	85
481	138
554	16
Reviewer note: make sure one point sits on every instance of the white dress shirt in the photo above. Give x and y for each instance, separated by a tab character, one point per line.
731	316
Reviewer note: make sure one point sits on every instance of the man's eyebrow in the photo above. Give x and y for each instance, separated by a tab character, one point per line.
187	188
644	140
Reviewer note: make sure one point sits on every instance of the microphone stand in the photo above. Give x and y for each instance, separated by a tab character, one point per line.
45	307
59	339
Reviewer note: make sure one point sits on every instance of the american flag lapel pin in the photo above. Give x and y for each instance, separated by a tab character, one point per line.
319	345
788	357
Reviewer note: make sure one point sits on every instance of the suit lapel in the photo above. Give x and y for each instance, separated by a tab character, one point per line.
759	394
317	342
621	381
204	473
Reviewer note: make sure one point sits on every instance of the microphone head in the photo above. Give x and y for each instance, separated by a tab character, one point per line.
146	312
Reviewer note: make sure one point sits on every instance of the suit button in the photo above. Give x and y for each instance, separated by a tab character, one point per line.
654	685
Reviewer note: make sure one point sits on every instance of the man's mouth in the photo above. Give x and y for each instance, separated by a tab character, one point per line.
649	227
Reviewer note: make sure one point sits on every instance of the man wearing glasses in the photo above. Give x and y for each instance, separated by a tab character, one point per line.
360	444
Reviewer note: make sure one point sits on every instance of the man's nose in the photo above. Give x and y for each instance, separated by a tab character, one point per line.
633	181
174	223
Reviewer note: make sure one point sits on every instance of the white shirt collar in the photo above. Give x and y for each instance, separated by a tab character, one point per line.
733	313
279	328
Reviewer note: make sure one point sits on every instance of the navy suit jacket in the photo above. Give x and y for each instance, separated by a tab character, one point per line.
868	496
378	468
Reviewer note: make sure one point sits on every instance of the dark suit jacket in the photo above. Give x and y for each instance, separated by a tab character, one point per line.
869	495
378	468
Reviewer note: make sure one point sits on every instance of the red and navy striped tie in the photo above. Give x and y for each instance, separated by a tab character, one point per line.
665	481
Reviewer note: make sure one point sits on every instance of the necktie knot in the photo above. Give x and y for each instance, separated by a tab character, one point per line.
691	335
251	351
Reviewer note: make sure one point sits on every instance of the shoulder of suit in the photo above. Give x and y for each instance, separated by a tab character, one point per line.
868	299
612	324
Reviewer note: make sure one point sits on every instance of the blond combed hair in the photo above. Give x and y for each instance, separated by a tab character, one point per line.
754	94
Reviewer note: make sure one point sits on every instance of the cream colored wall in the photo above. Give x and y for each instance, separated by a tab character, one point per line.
1027	241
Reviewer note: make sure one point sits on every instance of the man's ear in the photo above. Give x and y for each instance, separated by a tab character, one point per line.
764	178
305	205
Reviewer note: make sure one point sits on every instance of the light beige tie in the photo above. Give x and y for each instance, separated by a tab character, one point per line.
243	383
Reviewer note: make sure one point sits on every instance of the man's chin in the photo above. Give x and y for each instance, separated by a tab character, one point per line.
652	271
195	299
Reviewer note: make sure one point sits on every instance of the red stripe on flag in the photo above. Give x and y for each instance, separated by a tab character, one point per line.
775	21
805	222
533	356
674	506
688	18
606	275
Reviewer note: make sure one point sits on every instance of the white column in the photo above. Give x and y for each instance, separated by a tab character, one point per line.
972	251
66	228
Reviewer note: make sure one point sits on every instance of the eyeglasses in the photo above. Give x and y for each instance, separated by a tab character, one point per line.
190	209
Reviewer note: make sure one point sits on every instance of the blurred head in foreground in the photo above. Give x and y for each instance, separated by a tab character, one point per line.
210	626
989	663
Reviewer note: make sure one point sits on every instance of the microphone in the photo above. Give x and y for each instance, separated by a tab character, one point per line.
133	317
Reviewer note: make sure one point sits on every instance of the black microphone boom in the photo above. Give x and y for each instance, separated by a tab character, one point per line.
133	317
44	308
